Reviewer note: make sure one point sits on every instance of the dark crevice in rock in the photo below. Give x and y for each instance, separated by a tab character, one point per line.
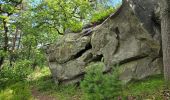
132	59
156	27
156	14
160	51
156	22
121	25
88	58
80	53
116	30
154	59
97	58
157	59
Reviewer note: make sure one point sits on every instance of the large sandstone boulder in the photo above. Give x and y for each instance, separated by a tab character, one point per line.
127	38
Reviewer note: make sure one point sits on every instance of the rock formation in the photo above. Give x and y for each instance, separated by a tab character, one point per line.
130	37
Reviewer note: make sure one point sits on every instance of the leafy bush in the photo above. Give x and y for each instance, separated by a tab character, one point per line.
101	15
18	72
97	86
97	16
17	91
75	26
2	53
35	55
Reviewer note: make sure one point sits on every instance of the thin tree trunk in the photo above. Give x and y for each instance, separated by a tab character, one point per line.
14	40
1	61
29	51
165	31
5	48
19	40
12	53
5	36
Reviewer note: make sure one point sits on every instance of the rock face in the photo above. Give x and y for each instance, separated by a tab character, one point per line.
126	38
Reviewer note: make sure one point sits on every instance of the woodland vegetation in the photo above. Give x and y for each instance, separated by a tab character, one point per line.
28	26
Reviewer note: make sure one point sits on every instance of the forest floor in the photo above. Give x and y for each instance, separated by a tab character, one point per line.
41	96
40	86
43	87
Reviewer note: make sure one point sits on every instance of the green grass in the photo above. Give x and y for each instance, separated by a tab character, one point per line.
17	91
148	88
40	79
44	83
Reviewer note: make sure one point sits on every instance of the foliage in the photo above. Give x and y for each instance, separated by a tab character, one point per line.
16	91
75	26
18	72
36	56
32	24
60	15
29	26
99	16
149	88
41	77
2	53
97	86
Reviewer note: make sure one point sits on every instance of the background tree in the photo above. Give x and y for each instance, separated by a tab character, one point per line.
7	9
28	25
165	31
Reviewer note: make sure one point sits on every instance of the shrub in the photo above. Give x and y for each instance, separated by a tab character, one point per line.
17	91
99	16
97	86
75	26
2	53
18	72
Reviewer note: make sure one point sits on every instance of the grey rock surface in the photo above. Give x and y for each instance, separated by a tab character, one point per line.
126	38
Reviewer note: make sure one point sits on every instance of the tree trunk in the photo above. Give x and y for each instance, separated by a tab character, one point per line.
14	40
5	48
12	52
19	41
1	61
5	36
165	31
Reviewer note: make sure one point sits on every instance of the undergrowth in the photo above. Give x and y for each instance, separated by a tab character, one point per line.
45	84
41	79
150	88
99	86
16	91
